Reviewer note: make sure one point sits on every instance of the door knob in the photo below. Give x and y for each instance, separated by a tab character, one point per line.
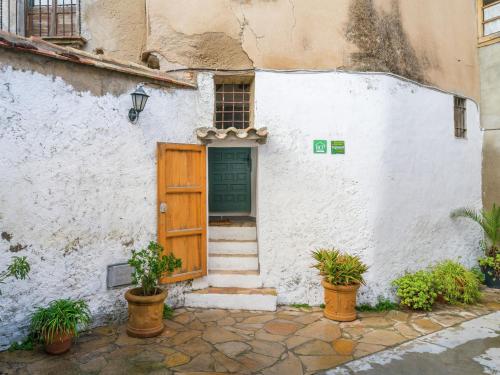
163	207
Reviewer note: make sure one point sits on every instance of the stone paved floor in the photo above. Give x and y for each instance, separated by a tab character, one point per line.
288	341
470	348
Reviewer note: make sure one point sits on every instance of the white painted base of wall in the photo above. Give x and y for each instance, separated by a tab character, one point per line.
265	302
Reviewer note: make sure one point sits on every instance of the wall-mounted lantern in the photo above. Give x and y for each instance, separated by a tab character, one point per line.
139	99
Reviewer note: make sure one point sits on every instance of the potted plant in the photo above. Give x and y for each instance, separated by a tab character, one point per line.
489	220
342	275
145	303
57	324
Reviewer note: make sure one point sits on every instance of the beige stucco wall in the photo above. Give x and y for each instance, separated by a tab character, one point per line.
427	40
117	27
490	120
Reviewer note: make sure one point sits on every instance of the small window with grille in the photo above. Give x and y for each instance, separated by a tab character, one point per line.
232	104
53	18
460	124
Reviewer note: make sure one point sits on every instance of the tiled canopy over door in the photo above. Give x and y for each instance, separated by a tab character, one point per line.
229	179
182	207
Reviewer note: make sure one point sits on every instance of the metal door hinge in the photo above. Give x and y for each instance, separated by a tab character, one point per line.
163	207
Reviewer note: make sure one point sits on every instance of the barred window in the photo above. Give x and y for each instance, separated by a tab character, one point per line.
58	18
232	105
42	18
460	124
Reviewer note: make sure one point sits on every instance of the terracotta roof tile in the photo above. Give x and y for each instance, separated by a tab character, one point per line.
41	47
209	134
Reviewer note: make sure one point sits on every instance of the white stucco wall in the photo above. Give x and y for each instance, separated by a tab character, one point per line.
78	187
78	182
387	199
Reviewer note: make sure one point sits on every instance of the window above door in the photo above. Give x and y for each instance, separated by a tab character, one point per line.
233	102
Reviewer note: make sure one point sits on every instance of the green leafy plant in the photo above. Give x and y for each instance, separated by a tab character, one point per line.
339	268
322	305
383	304
61	316
416	290
491	265
300	305
489	221
479	274
27	344
19	269
168	312
456	283
149	265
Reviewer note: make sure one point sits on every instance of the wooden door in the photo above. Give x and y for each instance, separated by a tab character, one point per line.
229	171
182	215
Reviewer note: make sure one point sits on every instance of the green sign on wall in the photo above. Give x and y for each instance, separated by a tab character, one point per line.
320	146
338	147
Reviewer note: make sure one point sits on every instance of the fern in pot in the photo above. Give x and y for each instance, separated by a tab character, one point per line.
342	276
57	324
146	301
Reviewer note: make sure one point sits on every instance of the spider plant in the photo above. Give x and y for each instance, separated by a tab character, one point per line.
339	268
62	316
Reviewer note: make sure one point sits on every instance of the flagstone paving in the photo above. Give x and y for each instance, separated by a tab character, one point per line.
289	341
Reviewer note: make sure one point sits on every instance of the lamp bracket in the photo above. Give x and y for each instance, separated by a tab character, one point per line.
133	115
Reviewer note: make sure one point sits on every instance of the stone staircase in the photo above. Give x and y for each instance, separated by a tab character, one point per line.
233	280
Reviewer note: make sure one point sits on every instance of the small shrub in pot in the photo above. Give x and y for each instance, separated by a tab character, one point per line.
342	275
146	301
57	324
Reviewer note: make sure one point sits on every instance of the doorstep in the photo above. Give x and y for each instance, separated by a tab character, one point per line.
233	298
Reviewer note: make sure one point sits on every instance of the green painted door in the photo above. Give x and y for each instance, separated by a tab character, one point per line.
229	179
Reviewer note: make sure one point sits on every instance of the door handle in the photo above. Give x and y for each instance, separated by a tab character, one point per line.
163	207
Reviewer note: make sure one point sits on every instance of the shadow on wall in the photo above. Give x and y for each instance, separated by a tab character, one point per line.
381	40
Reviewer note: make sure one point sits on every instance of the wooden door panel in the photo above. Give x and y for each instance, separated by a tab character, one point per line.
180	218
182	228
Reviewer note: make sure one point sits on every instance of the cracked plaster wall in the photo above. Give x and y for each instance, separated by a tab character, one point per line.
78	182
116	27
78	186
387	199
427	40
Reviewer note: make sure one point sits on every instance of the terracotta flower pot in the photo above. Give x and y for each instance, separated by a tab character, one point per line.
60	343
145	313
340	301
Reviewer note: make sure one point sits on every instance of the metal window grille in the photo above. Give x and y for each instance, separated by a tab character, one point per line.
232	105
460	125
42	18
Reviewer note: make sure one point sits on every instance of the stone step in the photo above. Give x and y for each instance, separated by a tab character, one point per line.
232	233
231	262
238	279
233	298
232	247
